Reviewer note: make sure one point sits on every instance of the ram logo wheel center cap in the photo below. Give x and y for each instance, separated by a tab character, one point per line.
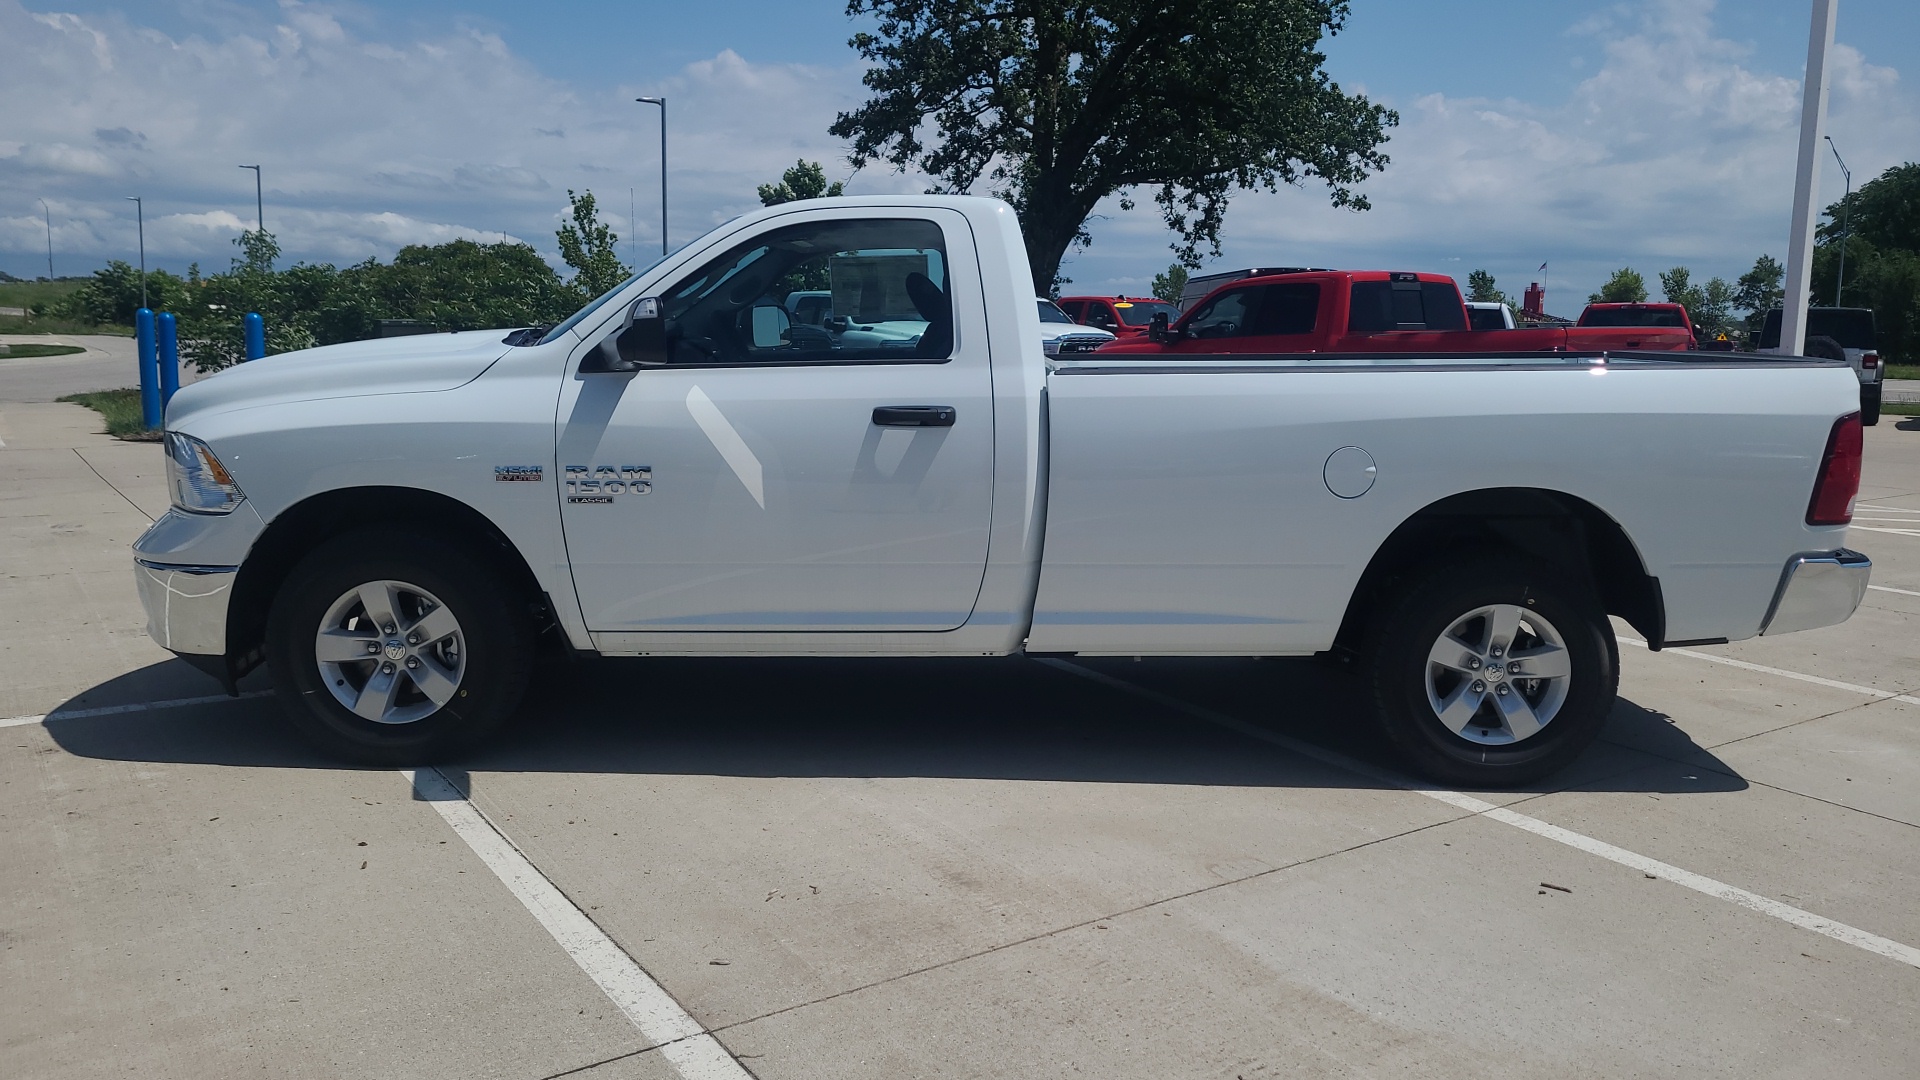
1494	672
395	650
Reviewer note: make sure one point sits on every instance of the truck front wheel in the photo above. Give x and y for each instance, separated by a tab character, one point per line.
1492	672
395	649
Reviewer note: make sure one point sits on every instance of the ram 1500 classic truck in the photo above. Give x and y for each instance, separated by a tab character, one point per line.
1355	311
392	526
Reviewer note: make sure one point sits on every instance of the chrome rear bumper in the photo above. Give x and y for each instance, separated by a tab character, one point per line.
1818	588
186	605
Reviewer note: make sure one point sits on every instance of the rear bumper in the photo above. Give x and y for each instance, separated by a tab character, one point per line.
1818	588
186	605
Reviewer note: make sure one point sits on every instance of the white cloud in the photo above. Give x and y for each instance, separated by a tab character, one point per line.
1678	149
368	142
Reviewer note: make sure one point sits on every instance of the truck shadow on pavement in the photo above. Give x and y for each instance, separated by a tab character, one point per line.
1002	719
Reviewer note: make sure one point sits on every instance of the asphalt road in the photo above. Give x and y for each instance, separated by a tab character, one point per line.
966	868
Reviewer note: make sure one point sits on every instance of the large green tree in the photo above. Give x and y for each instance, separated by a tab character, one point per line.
1055	105
806	180
590	247
1626	286
1759	291
1171	285
1882	226
1709	306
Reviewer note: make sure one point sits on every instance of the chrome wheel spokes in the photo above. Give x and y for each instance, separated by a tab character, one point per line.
391	652
1498	675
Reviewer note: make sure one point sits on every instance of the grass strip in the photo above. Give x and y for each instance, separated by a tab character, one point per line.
1901	371
120	409
17	351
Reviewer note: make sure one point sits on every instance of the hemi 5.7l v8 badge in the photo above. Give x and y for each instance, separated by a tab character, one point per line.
602	483
518	474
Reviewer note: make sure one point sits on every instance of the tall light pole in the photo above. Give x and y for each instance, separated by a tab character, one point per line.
1845	212
140	215
662	102
1806	182
43	206
259	205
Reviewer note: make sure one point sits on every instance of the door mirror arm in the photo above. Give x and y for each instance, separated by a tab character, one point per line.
640	342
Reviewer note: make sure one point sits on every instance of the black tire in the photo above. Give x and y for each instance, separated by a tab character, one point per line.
1825	348
493	647
1870	405
1401	677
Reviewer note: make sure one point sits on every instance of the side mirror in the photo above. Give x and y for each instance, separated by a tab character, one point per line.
770	326
1157	329
640	342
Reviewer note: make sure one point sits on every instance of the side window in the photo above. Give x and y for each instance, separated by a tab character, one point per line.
1287	309
821	292
1223	316
1074	309
1099	314
1405	305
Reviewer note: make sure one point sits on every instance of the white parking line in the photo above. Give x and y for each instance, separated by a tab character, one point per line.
1883	695
1889	588
1895	532
113	710
1768	906
694	1053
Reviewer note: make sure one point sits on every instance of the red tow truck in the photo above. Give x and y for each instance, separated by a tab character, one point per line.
1366	311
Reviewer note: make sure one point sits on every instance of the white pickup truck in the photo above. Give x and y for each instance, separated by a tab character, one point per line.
683	468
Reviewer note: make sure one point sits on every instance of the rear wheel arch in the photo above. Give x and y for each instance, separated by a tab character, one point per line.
1557	529
319	518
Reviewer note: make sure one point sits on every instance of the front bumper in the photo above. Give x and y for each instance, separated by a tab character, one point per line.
186	605
1818	588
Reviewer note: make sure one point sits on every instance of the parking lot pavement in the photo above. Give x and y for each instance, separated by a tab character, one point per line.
109	363
940	868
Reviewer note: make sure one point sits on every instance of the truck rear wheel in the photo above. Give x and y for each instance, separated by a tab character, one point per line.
395	649
1870	405
1492	672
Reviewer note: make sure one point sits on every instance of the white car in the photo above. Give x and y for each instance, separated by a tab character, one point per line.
393	525
1061	336
1482	315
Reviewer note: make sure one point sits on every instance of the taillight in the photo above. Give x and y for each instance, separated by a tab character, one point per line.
1870	360
1839	479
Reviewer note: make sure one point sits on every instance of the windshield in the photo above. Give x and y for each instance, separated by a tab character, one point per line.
1050	312
594	305
1141	312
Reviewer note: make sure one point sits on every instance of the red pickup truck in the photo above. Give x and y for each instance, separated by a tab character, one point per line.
1365	311
1666	316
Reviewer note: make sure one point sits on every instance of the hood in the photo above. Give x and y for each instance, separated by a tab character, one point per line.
1055	331
403	365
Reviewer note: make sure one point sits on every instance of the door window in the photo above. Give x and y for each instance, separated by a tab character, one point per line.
1258	310
821	292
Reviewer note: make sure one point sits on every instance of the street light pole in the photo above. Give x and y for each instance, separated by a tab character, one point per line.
1806	182
259	205
662	102
1845	212
43	206
140	215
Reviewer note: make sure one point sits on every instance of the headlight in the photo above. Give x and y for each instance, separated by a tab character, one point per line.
201	485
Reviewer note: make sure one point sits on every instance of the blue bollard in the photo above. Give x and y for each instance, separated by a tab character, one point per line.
149	369
256	336
169	356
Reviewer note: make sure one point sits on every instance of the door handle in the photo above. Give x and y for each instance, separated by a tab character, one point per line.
914	415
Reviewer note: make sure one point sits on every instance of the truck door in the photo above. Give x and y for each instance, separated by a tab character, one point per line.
767	475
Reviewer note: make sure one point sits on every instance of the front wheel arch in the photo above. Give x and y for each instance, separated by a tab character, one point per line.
319	518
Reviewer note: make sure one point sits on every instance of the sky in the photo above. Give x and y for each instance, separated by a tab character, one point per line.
1587	136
